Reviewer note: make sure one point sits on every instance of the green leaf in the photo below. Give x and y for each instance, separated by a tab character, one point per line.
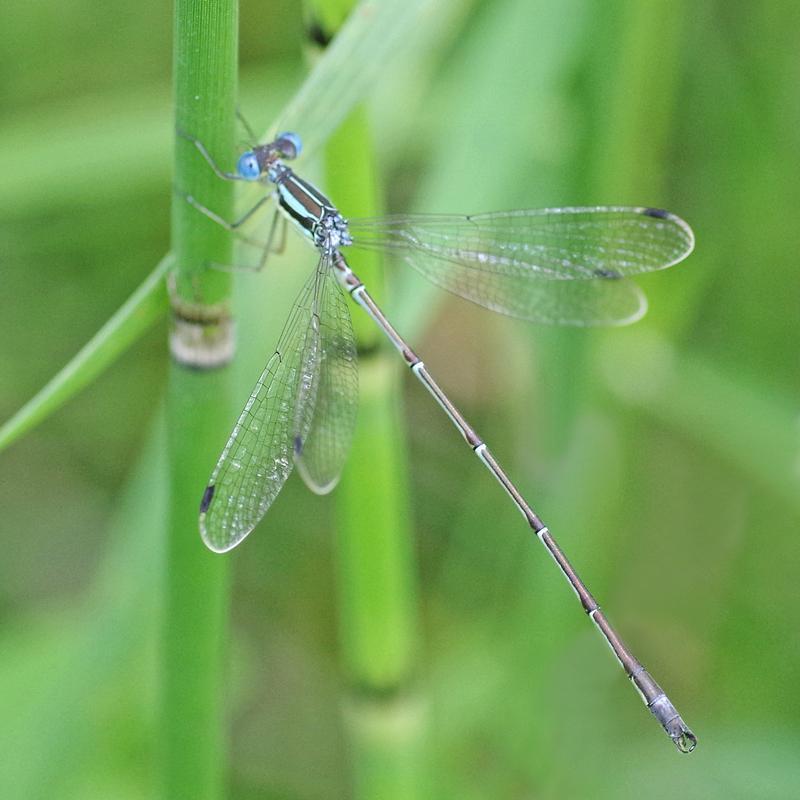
133	318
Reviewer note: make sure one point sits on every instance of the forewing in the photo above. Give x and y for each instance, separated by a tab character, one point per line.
565	266
257	459
321	454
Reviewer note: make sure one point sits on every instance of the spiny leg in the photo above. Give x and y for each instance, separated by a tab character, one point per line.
268	248
230	226
227	176
281	246
265	248
246	125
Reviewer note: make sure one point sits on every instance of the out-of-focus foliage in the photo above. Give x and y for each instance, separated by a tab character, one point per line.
664	456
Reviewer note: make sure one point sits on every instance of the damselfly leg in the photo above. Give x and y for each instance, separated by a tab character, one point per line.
246	125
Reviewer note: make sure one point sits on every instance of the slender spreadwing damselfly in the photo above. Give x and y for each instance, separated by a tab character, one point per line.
561	265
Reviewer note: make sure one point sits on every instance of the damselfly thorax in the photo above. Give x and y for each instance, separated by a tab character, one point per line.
313	214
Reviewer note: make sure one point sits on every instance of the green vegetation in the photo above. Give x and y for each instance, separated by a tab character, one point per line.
412	633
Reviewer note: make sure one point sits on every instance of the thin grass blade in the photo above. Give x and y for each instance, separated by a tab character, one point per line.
375	34
147	304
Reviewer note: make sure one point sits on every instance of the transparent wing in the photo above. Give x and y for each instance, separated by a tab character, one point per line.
321	455
375	33
563	265
257	459
607	302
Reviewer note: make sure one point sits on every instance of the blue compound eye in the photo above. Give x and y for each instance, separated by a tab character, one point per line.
291	144
247	167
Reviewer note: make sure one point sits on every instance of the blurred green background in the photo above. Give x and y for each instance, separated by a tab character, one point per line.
665	457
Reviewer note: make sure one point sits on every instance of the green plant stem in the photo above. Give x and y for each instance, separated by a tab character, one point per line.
198	407
196	597
631	133
376	584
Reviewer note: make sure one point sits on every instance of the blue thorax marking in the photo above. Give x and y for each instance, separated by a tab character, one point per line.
311	211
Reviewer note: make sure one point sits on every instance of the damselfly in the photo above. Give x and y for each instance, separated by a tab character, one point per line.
561	265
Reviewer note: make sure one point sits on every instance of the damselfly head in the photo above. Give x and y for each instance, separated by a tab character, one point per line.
258	161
